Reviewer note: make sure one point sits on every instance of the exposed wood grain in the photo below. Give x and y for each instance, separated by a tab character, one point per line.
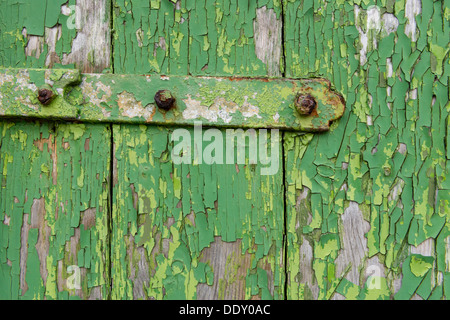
354	243
91	48
268	46
54	195
229	271
306	254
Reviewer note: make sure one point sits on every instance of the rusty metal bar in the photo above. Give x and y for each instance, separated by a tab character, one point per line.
64	94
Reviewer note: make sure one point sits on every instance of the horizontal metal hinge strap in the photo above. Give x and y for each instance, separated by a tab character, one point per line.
65	94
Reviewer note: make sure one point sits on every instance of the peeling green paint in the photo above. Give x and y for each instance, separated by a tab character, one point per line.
383	167
198	205
387	153
243	102
27	23
43	209
189	37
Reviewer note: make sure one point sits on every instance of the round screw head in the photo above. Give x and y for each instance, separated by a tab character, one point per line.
305	104
45	96
164	99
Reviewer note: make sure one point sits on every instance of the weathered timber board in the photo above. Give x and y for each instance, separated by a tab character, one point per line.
213	234
54	200
186	231
55	176
368	204
39	34
207	37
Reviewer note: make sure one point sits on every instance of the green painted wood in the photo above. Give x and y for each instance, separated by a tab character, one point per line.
204	37
54	211
194	230
54	196
368	204
55	34
220	102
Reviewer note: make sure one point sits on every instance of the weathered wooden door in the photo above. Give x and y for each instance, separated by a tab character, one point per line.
101	211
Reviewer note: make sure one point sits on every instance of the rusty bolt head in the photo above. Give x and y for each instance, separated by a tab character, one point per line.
305	104
164	99
45	96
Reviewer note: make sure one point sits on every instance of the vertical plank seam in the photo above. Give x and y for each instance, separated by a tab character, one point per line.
111	161
284	216
283	155
111	35
111	208
283	47
188	46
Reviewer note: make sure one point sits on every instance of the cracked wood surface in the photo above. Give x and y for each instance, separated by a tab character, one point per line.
192	230
373	193
232	247
367	203
207	37
54	210
56	33
54	198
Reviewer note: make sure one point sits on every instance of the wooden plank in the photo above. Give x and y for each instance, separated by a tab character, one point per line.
56	33
54	195
370	197
195	230
54	211
207	37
